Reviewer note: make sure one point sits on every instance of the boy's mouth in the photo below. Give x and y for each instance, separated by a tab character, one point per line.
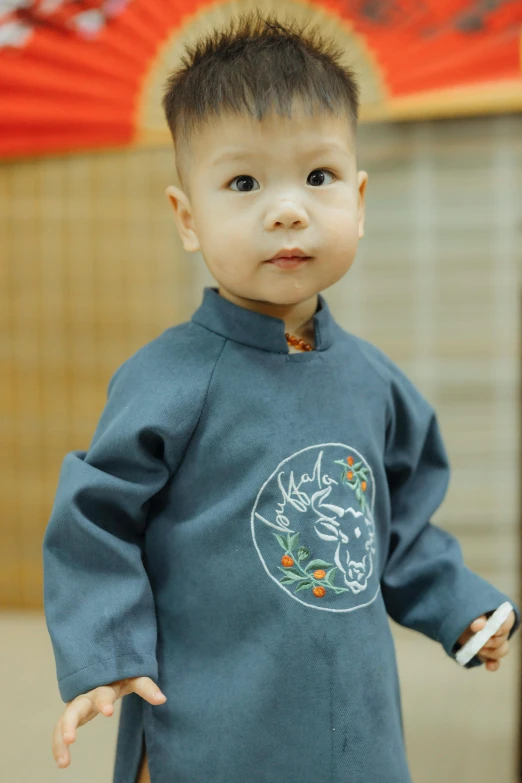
289	257
288	262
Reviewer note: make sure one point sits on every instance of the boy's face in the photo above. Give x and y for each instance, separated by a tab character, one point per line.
275	194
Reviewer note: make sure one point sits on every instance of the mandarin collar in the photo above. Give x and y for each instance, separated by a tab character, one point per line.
254	329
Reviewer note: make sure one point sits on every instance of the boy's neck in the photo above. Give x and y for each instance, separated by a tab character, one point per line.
298	317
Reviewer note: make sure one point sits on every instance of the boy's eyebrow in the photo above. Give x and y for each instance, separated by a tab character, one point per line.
238	154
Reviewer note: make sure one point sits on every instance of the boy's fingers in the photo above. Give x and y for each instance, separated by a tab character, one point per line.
148	690
104	699
77	712
60	750
500	636
495	642
506	627
86	706
500	652
478	624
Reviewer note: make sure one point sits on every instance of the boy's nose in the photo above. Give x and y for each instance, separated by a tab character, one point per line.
286	213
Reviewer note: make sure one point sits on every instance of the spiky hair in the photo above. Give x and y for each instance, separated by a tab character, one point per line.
255	65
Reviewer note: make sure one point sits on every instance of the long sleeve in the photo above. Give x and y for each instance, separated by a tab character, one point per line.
426	585
98	602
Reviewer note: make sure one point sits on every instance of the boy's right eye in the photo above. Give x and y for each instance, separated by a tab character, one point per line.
242	177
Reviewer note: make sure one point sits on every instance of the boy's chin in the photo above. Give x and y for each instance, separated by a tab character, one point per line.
264	295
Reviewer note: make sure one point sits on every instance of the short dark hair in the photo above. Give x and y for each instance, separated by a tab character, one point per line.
253	67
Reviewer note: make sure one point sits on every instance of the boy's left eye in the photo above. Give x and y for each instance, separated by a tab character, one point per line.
315	174
316	171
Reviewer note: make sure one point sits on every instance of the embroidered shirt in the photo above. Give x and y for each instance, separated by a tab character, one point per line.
239	529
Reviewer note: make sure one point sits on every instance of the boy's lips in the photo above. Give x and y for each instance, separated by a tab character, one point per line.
289	252
289	258
288	262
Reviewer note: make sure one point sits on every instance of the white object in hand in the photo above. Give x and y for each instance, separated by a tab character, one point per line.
479	639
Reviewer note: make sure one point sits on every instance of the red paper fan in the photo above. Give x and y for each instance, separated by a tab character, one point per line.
73	72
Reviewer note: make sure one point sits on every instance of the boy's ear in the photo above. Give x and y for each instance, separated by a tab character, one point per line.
362	178
183	217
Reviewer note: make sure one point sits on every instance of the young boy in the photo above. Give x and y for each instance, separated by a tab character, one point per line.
256	498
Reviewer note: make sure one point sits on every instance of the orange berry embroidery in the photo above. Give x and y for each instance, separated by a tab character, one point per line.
302	575
355	478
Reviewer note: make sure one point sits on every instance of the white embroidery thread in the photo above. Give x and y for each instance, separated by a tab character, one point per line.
290	520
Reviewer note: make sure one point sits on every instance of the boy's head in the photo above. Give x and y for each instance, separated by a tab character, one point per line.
264	120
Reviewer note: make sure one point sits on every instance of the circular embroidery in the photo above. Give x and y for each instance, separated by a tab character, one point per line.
313	528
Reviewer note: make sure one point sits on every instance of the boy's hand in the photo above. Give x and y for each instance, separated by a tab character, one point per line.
496	647
86	706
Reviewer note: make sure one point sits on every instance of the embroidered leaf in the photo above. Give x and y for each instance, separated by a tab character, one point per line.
363	472
293	541
303	553
290	574
281	541
303	586
341	462
330	576
286	581
352	485
357	465
358	494
317	564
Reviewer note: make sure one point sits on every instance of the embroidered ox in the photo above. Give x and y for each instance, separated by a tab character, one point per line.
354	537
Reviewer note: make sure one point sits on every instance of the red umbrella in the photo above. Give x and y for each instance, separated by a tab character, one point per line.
81	74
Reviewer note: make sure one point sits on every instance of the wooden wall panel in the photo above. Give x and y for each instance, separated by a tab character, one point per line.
91	269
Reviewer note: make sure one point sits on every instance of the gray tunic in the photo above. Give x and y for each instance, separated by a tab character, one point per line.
243	522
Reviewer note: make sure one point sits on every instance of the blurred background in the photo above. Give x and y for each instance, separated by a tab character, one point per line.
92	268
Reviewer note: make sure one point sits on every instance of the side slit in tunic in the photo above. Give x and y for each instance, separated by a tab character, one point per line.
143	770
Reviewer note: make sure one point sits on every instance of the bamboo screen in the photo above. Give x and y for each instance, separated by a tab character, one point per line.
92	268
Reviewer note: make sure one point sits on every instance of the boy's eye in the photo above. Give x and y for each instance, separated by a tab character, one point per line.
316	176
